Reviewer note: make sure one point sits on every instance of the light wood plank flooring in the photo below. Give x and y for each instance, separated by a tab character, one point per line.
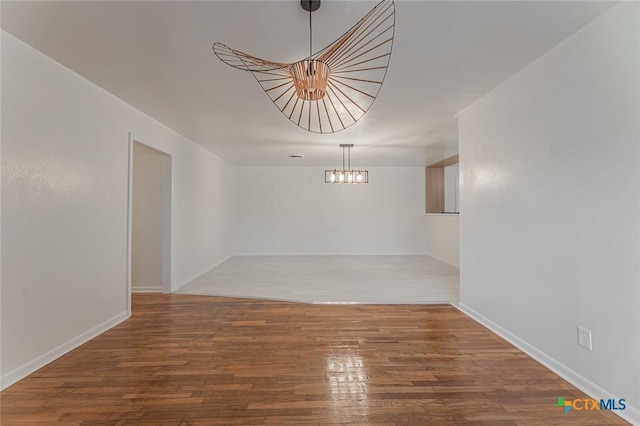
332	279
198	360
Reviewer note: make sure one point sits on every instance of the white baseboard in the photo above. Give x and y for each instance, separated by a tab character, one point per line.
199	274
146	289
31	366
328	254
630	414
440	259
444	261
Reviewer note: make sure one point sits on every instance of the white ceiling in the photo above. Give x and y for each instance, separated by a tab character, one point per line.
156	55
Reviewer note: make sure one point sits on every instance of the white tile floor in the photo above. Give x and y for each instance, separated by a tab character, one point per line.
332	279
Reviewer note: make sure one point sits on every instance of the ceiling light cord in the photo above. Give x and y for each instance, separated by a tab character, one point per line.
310	41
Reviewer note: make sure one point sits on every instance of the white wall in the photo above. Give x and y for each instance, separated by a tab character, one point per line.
442	236
64	207
147	219
1	133
290	210
550	230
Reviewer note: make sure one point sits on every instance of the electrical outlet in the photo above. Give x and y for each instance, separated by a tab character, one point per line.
584	338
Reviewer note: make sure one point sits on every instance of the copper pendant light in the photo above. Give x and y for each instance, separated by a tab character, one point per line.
333	88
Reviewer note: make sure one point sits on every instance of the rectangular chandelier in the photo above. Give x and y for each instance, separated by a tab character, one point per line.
346	175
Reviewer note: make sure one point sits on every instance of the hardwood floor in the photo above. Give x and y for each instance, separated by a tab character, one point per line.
200	360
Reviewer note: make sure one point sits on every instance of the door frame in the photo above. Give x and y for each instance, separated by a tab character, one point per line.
167	190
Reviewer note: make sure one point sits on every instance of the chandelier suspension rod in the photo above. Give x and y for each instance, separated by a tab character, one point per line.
310	34
343	169
310	73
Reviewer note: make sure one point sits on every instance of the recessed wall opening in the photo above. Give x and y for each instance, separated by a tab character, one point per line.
150	217
442	186
442	210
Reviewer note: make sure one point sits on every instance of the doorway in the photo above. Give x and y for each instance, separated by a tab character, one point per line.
150	185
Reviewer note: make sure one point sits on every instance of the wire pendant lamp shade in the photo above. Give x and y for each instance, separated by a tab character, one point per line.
333	88
347	175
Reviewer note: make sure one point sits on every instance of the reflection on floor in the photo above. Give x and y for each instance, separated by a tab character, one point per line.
332	279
